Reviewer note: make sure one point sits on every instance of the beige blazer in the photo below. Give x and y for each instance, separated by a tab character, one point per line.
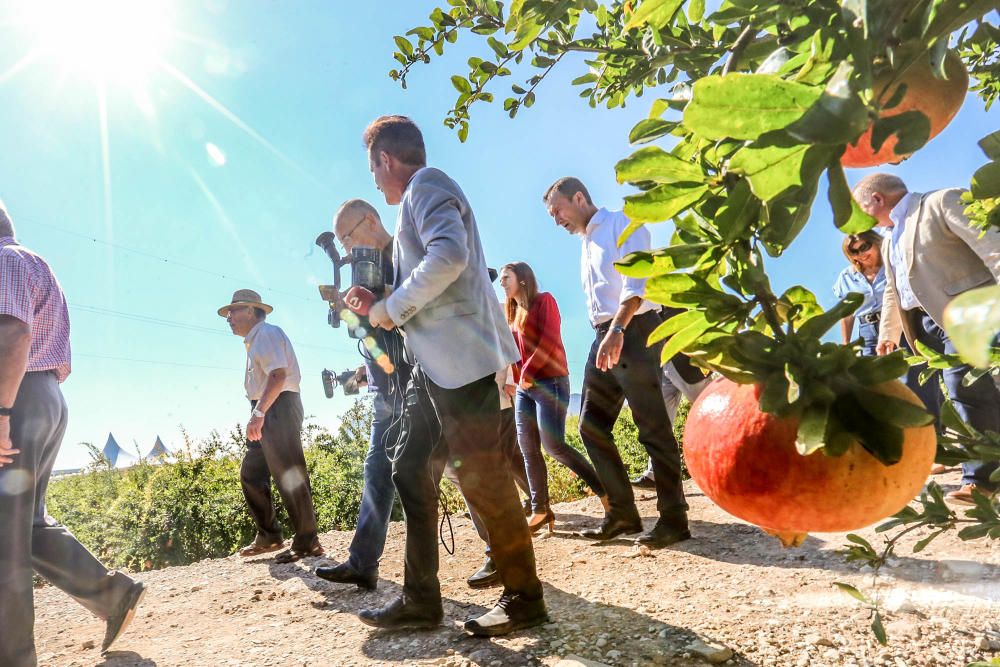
944	257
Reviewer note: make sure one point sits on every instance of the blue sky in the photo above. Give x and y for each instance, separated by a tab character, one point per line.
283	92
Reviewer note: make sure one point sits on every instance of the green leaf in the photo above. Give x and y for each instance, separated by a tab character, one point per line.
656	13
745	106
794	390
879	629
651	129
818	325
655	164
991	145
986	181
847	214
664	260
876	370
525	33
896	411
675	324
461	84
661	203
739	211
837	117
696	11
912	130
852	591
684	338
771	170
404	45
972	321
812	429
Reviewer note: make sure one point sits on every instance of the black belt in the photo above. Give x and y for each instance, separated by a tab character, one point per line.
872	317
603	327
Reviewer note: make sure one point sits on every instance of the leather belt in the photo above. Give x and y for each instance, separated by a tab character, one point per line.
872	317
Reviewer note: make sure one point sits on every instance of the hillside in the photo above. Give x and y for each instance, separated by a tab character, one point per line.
731	587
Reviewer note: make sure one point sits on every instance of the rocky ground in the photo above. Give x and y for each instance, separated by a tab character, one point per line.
732	595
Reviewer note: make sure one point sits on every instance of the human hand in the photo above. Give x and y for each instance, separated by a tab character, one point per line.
610	350
378	315
7	450
255	428
885	347
510	389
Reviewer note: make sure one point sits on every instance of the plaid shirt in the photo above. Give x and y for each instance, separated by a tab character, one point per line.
30	292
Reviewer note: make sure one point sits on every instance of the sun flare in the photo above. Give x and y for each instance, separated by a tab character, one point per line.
109	41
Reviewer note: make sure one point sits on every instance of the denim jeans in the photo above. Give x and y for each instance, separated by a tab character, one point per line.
541	422
376	497
978	404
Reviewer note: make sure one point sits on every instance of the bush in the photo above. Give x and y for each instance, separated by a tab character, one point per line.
175	513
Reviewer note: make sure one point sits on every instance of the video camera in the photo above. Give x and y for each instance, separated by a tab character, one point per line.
367	285
349	380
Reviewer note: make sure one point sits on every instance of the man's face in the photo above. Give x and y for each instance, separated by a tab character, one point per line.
355	231
568	213
876	206
381	166
241	320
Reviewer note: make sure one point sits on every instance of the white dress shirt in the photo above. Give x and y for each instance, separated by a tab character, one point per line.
907	300
269	349
605	287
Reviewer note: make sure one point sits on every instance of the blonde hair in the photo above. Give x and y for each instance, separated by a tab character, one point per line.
870	236
517	313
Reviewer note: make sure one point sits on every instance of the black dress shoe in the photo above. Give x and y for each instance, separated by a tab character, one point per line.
119	621
345	574
664	534
643	482
612	527
401	614
512	612
486	576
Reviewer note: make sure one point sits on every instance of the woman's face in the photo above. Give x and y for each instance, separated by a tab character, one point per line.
864	254
508	283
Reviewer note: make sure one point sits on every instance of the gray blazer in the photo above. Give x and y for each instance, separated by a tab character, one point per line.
944	257
453	323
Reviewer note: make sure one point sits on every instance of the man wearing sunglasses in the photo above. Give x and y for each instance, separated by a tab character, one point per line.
932	256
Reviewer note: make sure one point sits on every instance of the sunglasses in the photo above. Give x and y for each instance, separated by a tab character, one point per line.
857	250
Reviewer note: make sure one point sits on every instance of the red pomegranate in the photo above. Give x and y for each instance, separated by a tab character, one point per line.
938	99
745	460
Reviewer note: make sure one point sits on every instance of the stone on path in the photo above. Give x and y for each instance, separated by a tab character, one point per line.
576	661
710	651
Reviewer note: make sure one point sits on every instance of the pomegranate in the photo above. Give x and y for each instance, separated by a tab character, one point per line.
746	461
938	99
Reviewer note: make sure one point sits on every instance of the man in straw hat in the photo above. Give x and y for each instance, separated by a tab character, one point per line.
274	432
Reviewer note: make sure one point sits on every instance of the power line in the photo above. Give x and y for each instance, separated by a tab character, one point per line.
158	363
166	260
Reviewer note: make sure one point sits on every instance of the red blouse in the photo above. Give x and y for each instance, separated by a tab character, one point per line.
540	343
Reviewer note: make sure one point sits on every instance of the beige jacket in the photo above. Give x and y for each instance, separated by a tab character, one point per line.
944	258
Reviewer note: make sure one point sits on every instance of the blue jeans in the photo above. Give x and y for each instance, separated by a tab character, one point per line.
977	404
376	498
540	413
869	337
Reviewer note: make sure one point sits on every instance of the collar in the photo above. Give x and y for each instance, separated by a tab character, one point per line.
595	221
899	211
6	241
253	332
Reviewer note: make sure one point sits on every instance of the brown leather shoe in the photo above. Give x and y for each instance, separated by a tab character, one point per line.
963	496
258	548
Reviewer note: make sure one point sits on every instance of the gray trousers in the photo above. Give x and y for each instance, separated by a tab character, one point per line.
34	541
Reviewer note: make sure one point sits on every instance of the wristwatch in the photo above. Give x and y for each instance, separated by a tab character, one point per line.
618	329
6	412
257	413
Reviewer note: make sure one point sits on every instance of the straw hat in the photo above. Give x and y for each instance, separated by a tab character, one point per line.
245	297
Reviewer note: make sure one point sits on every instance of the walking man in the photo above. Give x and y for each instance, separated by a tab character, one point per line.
931	256
34	360
620	366
274	432
457	335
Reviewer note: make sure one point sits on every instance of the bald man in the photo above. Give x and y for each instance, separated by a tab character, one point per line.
932	256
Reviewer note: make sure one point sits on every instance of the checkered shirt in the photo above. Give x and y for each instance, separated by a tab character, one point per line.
30	292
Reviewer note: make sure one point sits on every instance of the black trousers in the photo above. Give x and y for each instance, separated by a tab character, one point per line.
458	427
279	454
636	378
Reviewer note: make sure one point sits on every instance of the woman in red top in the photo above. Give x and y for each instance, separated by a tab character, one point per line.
542	398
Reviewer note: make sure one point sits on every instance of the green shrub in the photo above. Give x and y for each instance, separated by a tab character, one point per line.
175	513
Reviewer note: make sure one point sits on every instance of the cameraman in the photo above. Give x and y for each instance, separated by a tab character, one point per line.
357	224
457	334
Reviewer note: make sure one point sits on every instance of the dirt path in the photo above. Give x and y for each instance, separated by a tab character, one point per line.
731	586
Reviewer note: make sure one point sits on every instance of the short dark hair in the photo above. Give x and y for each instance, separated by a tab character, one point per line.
6	226
568	186
398	136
